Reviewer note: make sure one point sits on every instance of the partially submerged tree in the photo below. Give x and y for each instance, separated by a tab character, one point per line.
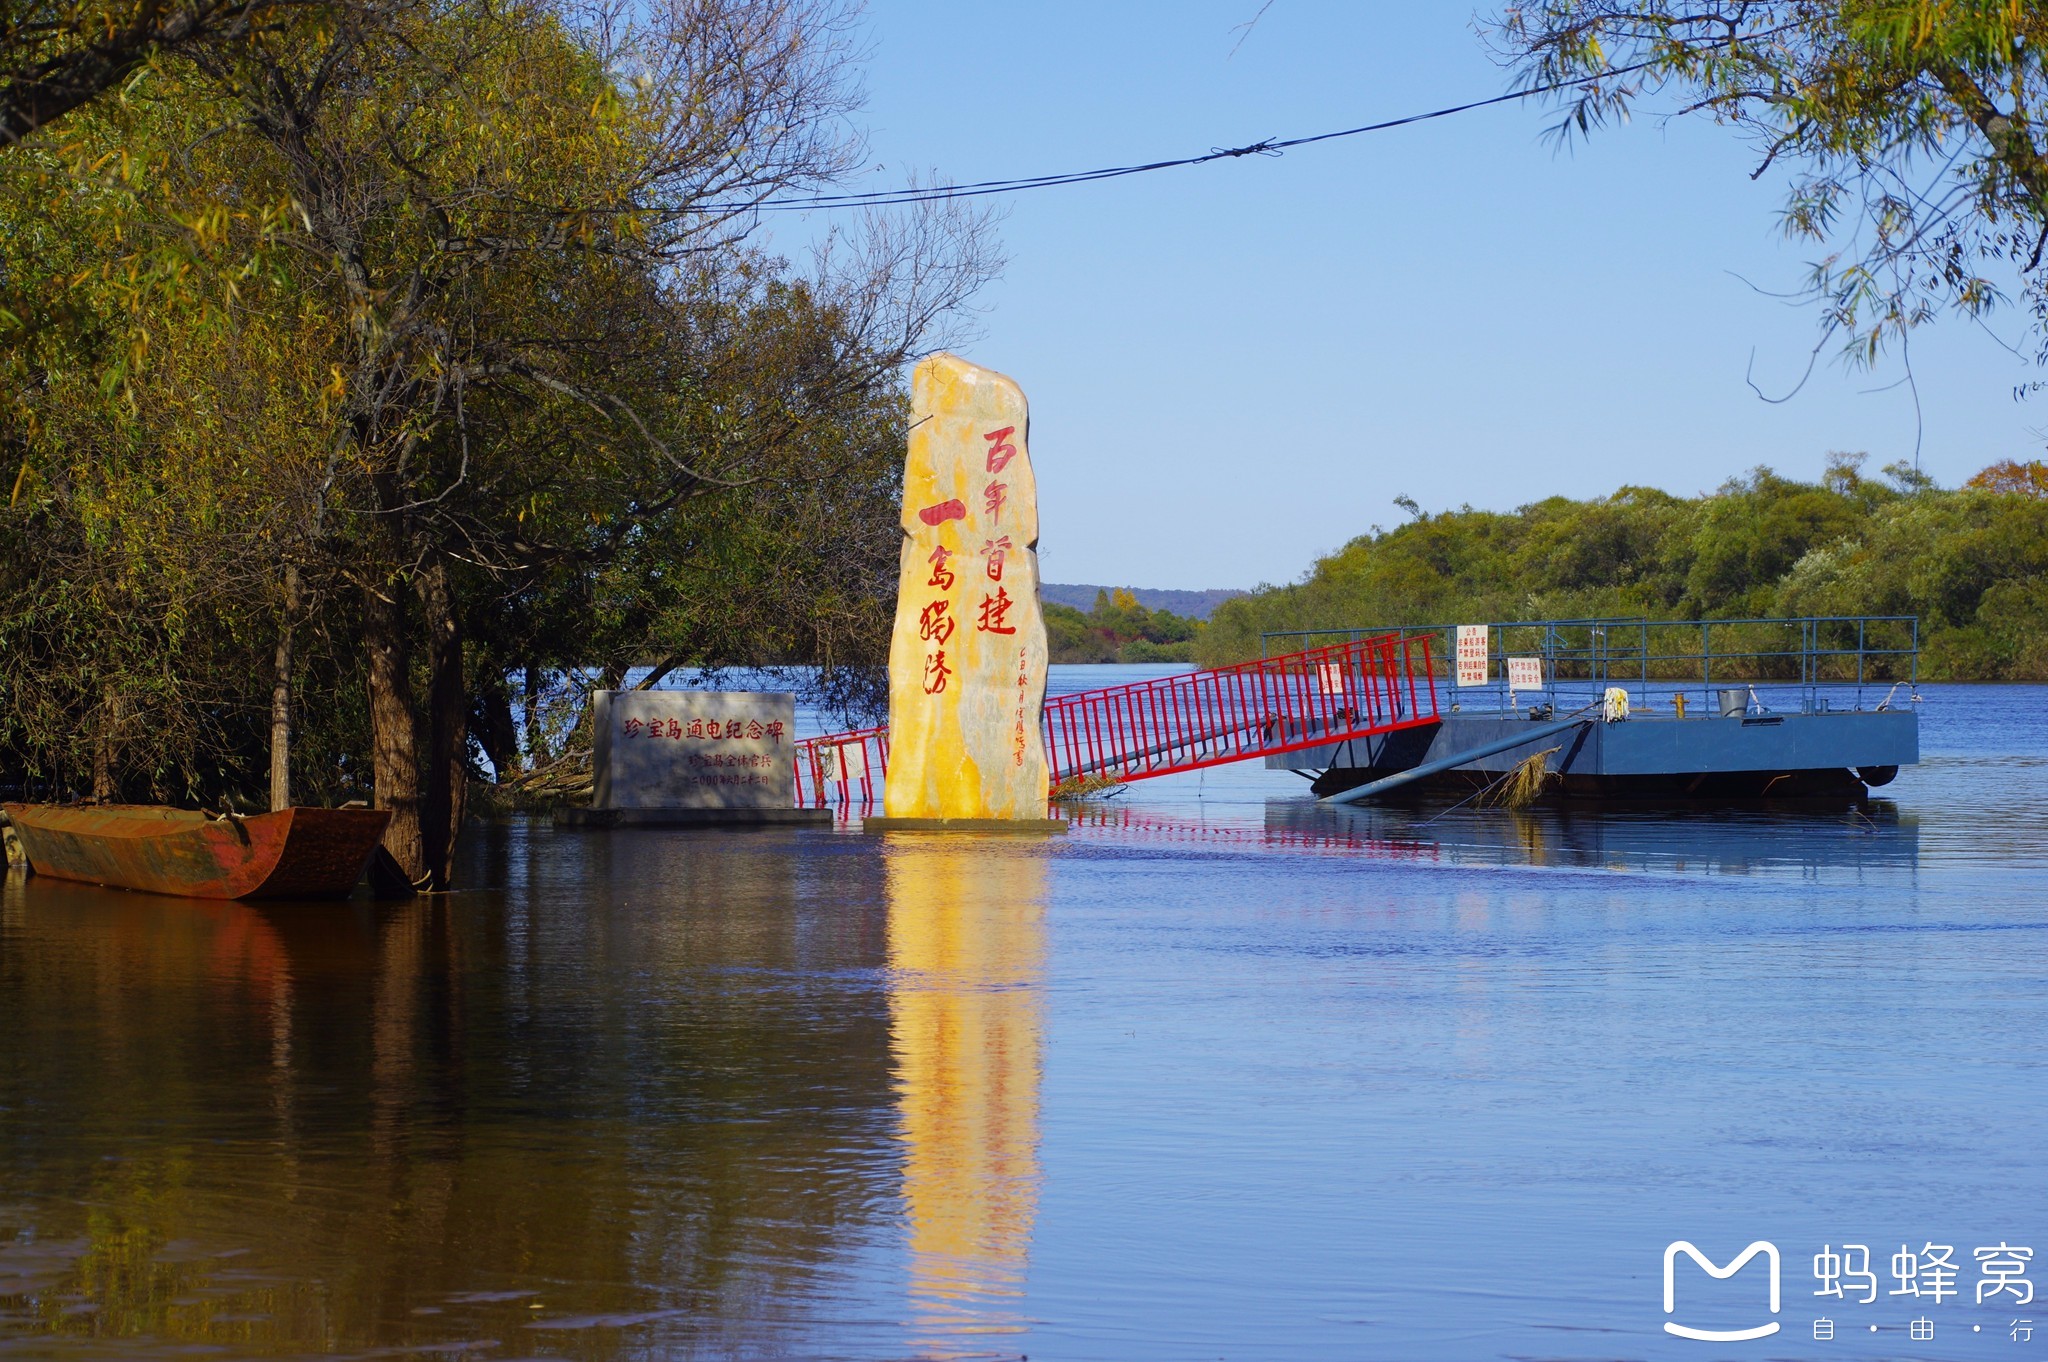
495	319
514	207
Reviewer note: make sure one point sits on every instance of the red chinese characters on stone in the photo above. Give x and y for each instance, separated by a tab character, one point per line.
1017	737
1000	451
995	550
704	730
944	511
942	576
995	613
935	622
936	672
992	499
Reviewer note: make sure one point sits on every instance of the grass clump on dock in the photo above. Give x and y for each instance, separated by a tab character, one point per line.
1525	784
1094	785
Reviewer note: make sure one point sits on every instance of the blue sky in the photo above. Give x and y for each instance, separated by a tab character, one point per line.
1235	368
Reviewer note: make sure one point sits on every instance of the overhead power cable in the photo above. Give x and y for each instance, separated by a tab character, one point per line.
883	198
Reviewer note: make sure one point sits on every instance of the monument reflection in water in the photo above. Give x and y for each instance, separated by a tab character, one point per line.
967	963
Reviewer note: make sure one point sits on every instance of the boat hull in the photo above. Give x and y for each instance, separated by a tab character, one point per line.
294	853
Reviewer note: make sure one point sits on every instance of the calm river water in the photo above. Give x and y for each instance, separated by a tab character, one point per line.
1217	1075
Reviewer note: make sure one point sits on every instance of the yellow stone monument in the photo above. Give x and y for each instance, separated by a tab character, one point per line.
967	661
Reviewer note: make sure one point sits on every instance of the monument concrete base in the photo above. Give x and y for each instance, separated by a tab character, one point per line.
1036	825
693	818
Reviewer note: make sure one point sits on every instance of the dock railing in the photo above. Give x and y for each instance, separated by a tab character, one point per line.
1183	721
1806	664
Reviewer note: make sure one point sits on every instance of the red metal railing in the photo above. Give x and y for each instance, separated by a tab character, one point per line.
1191	720
843	768
1183	722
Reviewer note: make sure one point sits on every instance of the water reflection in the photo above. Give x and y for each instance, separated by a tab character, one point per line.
640	1105
1729	841
675	1096
967	967
1328	1084
1873	836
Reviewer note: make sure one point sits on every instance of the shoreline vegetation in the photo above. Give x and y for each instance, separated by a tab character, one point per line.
1118	629
368	370
1970	562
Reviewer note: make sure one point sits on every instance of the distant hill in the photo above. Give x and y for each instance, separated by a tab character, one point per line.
1191	604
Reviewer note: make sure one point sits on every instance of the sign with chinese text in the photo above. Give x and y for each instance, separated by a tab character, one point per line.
967	661
689	749
1474	668
1525	673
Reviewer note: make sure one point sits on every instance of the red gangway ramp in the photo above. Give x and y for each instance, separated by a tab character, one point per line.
1185	721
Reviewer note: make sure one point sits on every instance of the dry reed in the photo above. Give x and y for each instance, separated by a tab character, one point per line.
1102	784
1522	786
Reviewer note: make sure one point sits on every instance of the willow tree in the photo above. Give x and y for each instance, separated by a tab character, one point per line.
148	518
57	56
459	175
514	210
482	297
1913	132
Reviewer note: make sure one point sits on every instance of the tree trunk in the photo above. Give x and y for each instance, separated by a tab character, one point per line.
281	699
492	723
103	746
447	775
394	756
530	702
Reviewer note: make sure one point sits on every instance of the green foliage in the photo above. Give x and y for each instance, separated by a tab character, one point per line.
58	56
1971	563
1119	629
1914	133
422	334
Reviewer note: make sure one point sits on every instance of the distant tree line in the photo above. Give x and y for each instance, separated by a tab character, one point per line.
367	368
1971	563
1118	629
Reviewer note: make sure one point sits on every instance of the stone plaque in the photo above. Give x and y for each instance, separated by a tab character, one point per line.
693	749
967	661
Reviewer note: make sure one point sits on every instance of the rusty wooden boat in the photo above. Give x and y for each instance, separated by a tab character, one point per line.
294	853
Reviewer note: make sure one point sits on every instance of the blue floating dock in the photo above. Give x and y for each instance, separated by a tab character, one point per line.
1830	714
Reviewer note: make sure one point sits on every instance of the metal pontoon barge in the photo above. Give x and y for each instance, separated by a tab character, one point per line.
1715	710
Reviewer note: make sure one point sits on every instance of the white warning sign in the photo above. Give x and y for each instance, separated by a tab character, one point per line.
1474	667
